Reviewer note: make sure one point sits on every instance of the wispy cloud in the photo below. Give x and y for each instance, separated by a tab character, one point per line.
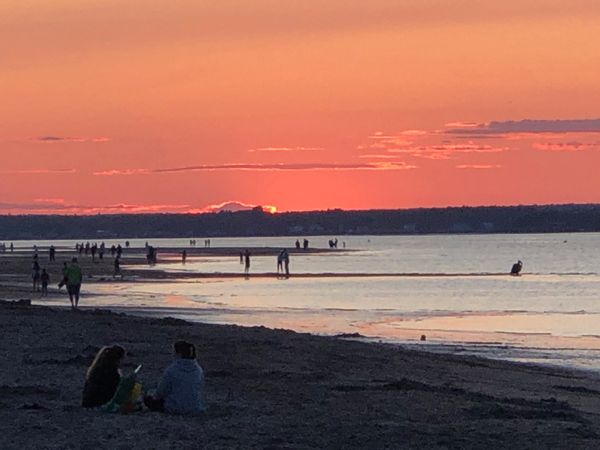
61	206
234	206
68	139
528	126
113	172
479	166
565	146
37	171
374	165
446	151
286	149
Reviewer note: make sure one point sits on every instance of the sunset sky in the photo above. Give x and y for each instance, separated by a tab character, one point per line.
185	105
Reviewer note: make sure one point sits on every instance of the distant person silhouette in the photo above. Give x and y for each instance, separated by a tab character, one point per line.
516	268
280	262
305	244
45	278
74	279
35	274
117	268
286	262
63	281
52	253
183	256
247	262
297	244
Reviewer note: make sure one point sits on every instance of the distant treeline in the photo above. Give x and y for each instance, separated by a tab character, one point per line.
493	219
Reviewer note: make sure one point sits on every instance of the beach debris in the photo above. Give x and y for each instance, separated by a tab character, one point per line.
20	302
349	335
34	406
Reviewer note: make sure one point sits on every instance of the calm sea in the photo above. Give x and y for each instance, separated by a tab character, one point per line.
550	314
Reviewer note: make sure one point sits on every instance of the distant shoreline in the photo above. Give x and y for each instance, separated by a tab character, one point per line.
572	218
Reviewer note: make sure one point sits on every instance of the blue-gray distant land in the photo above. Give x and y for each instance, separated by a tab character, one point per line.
255	222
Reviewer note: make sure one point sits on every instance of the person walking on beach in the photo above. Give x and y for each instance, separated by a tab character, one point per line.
74	278
247	263
117	268
280	262
183	256
64	269
181	390
286	262
35	274
52	253
45	278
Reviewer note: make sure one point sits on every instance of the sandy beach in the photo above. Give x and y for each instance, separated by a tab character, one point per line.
272	388
280	389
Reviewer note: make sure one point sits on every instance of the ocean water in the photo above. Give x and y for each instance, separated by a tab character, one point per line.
466	304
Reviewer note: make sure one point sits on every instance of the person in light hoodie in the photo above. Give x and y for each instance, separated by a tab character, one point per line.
181	390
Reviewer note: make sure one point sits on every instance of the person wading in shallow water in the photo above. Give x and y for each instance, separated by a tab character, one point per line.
74	278
247	263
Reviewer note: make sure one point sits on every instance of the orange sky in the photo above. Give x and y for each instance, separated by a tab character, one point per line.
152	105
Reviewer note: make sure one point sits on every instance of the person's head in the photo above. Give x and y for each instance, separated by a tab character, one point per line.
109	356
185	350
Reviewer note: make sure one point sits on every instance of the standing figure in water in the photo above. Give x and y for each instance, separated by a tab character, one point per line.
516	268
280	262
286	262
247	263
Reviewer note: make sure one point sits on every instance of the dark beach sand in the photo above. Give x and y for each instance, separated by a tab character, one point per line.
280	389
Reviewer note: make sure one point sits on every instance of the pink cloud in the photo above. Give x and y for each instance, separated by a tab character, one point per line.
68	139
286	149
37	171
564	146
374	165
479	166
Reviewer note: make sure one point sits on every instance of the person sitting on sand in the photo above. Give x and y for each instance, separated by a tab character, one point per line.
181	390
74	278
103	376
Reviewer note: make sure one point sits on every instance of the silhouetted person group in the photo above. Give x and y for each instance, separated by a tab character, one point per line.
180	391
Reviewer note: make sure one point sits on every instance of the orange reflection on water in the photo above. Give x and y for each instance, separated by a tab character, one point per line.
554	330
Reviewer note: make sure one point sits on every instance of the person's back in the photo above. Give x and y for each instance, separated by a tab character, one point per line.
182	387
73	274
181	390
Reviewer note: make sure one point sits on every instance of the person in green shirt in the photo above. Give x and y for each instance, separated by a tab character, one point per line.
74	276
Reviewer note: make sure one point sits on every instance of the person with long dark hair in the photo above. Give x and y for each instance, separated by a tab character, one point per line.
181	390
103	376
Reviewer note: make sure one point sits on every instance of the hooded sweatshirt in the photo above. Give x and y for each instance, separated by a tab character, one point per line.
182	387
